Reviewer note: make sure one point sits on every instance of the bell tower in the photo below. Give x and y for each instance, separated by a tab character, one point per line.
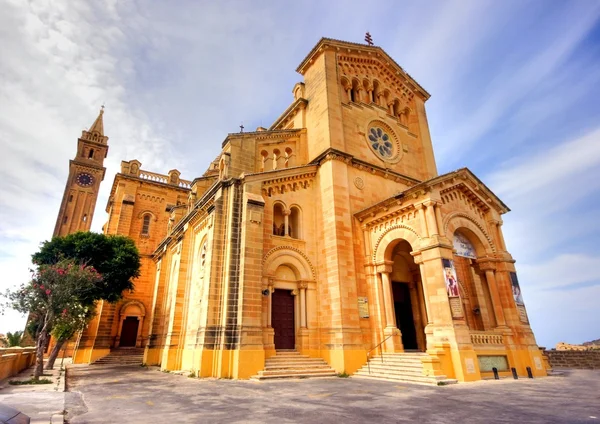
86	172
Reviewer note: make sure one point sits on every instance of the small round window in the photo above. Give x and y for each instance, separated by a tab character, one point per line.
381	142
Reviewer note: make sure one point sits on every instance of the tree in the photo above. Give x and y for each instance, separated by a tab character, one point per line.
71	320
14	339
53	289
116	259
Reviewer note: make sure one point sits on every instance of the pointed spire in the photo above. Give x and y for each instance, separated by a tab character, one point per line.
98	125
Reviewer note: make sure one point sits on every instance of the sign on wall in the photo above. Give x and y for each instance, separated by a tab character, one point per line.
363	307
463	246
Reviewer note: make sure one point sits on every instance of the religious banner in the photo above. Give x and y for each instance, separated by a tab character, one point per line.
516	289
363	307
450	278
463	247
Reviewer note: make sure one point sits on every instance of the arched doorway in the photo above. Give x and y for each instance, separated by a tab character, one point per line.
408	301
283	308
130	326
474	290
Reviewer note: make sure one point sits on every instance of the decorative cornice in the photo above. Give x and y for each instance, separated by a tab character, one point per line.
288	183
291	111
334	154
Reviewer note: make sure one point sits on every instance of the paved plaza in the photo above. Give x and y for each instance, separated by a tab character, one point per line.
113	394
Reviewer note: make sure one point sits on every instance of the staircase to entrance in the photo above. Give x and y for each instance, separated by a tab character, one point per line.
122	356
291	364
406	367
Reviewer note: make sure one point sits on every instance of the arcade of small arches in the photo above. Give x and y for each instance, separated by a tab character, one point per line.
276	159
287	222
367	91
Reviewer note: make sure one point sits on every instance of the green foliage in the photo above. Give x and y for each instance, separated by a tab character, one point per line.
31	381
72	320
192	374
115	257
343	375
14	339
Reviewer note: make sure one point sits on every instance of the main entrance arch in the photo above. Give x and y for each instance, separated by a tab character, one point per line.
402	299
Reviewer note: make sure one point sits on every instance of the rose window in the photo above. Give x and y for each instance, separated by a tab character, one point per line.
381	142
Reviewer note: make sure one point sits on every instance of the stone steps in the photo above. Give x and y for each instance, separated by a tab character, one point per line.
291	364
123	356
403	367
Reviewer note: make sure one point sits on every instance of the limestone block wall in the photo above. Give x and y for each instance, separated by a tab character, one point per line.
587	359
13	360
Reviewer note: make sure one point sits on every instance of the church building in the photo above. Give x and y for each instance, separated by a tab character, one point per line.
327	237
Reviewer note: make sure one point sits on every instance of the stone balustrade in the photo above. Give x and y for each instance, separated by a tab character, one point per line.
480	338
13	360
164	179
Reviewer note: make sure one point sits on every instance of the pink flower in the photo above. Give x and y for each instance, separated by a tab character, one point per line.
64	312
41	287
48	292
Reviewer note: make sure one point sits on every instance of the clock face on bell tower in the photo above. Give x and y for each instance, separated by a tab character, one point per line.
86	171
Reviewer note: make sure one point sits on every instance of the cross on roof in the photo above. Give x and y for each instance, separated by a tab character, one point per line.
368	39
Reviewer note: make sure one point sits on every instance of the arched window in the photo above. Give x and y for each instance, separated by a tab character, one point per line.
355	92
376	92
295	223
70	198
288	156
91	154
264	156
276	155
278	220
146	224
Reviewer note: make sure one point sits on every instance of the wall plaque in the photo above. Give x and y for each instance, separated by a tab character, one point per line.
456	307
487	362
470	365
363	307
523	314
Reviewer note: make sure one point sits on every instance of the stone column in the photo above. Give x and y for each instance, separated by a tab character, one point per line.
489	269
302	286
432	225
421	211
286	218
370	95
391	332
502	244
270	302
416	308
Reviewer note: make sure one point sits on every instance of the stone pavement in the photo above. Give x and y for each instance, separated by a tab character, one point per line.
43	403
113	394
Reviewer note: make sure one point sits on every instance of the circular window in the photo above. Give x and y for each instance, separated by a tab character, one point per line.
383	142
380	142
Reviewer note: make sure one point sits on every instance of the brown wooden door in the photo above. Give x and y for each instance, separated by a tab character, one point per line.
282	319
129	332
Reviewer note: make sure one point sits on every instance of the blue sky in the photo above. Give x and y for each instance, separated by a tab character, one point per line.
515	97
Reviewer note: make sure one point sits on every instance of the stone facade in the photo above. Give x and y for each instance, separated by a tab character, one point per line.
331	232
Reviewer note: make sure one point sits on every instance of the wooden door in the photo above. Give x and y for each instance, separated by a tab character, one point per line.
282	319
129	332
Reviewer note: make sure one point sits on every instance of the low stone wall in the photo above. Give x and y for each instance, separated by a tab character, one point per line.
13	360
587	359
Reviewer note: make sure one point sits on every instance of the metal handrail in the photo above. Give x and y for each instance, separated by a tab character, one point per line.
369	352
